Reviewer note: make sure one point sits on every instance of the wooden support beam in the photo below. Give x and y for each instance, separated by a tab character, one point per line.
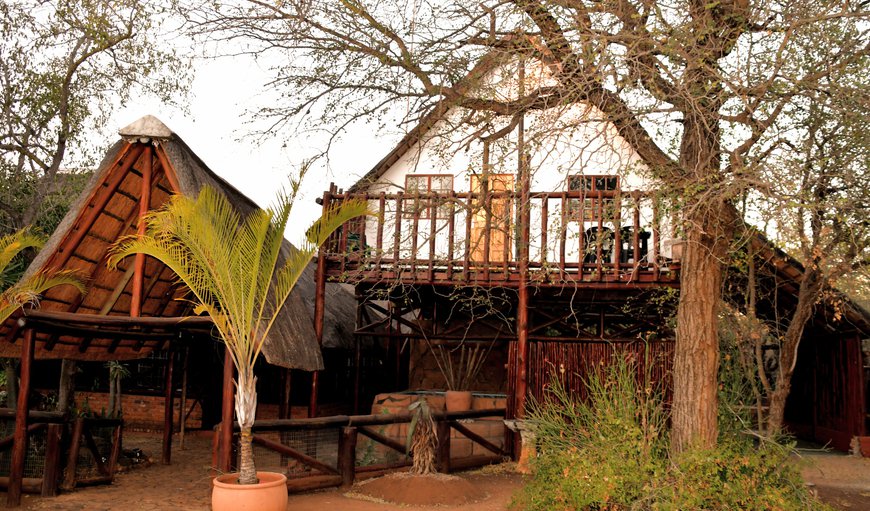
474	437
139	261
319	307
168	169
95	451
347	455
293	453
95	206
19	446
442	430
383	440
167	411
51	472
69	476
117	442
285	408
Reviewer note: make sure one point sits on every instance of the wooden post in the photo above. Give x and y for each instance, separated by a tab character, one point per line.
182	406
167	412
51	473
226	436
442	430
357	360
69	478
319	305
19	446
347	455
117	441
285	407
139	262
523	291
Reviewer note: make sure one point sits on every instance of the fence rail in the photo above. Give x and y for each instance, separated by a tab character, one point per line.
337	450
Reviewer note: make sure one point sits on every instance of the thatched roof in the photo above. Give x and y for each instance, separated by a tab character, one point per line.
107	209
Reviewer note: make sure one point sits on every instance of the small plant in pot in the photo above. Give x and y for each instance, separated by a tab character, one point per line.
233	267
460	365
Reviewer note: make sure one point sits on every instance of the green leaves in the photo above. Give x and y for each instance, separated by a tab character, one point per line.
235	266
27	291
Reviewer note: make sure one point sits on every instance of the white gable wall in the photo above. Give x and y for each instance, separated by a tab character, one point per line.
560	143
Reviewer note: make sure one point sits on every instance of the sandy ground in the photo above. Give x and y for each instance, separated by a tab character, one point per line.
840	480
843	481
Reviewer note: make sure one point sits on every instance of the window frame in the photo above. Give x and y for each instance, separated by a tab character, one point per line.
590	204
420	208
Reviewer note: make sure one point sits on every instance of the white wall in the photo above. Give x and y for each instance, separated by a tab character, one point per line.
560	142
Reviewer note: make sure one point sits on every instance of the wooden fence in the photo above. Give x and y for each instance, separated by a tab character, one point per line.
333	454
61	452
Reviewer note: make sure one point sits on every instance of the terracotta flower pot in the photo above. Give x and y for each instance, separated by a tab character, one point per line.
270	494
458	400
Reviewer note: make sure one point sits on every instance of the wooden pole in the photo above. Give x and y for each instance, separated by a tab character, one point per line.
139	262
19	446
523	292
167	412
226	437
285	409
442	430
347	455
319	305
69	478
51	474
182	419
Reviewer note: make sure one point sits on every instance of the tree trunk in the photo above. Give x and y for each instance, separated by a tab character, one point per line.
696	358
246	409
808	294
247	469
66	387
708	220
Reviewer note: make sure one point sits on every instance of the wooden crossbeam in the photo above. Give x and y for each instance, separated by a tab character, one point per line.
293	453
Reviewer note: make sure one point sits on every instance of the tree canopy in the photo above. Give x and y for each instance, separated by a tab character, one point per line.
64	67
702	90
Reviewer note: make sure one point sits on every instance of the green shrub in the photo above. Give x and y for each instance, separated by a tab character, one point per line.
602	453
609	452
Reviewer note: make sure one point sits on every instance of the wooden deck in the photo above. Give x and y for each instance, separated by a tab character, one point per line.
595	240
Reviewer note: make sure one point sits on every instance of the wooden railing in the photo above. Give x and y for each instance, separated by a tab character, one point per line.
61	453
604	237
92	457
42	462
337	442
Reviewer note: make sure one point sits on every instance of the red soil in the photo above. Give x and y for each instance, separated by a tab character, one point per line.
416	490
842	481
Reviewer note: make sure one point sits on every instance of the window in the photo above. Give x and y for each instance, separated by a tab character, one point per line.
422	184
590	185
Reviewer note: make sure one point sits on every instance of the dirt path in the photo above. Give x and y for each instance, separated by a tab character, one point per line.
843	481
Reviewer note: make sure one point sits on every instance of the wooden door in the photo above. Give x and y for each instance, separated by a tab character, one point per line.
500	212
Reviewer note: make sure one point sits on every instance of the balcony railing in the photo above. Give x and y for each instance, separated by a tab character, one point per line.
471	237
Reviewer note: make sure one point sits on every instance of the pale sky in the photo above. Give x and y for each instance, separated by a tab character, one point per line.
216	122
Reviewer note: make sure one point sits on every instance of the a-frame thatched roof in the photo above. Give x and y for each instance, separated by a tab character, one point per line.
109	208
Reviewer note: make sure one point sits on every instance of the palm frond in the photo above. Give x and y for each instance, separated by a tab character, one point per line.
28	291
13	244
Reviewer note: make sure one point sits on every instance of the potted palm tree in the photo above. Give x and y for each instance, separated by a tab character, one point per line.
233	269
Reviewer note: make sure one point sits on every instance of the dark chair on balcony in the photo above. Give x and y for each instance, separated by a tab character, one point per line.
592	238
626	244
